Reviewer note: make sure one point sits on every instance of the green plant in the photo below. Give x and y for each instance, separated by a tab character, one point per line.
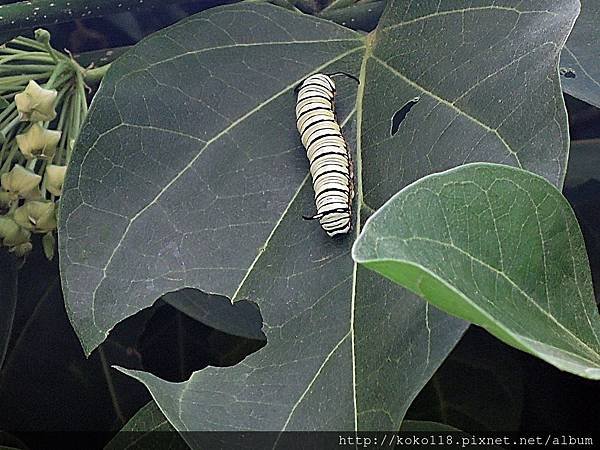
188	173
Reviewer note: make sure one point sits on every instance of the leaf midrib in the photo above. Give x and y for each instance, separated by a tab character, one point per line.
359	194
369	39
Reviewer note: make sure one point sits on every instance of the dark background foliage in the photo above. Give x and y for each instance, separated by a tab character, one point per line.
46	383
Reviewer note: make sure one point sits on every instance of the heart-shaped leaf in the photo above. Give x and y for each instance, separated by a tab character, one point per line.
190	173
499	247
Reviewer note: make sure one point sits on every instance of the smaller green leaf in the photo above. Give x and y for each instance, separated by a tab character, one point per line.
499	247
241	318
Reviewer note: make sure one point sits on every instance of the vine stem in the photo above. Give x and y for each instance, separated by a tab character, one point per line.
40	13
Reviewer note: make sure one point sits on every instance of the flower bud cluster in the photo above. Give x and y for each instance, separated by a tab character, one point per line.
42	106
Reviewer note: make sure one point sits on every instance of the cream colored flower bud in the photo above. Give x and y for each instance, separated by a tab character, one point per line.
35	103
20	181
37	142
42	35
34	194
55	177
11	233
48	244
22	249
7	227
37	216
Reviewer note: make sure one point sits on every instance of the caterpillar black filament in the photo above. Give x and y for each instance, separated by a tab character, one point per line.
330	163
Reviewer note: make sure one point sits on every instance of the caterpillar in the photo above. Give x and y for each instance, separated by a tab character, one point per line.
330	163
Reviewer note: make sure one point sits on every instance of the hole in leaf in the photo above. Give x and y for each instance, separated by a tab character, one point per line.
567	72
400	115
191	330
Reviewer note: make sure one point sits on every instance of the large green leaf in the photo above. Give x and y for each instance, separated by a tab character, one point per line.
189	172
499	247
580	59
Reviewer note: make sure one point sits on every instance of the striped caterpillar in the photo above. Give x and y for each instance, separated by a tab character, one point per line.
330	163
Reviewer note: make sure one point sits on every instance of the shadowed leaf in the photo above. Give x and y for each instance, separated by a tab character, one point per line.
580	59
